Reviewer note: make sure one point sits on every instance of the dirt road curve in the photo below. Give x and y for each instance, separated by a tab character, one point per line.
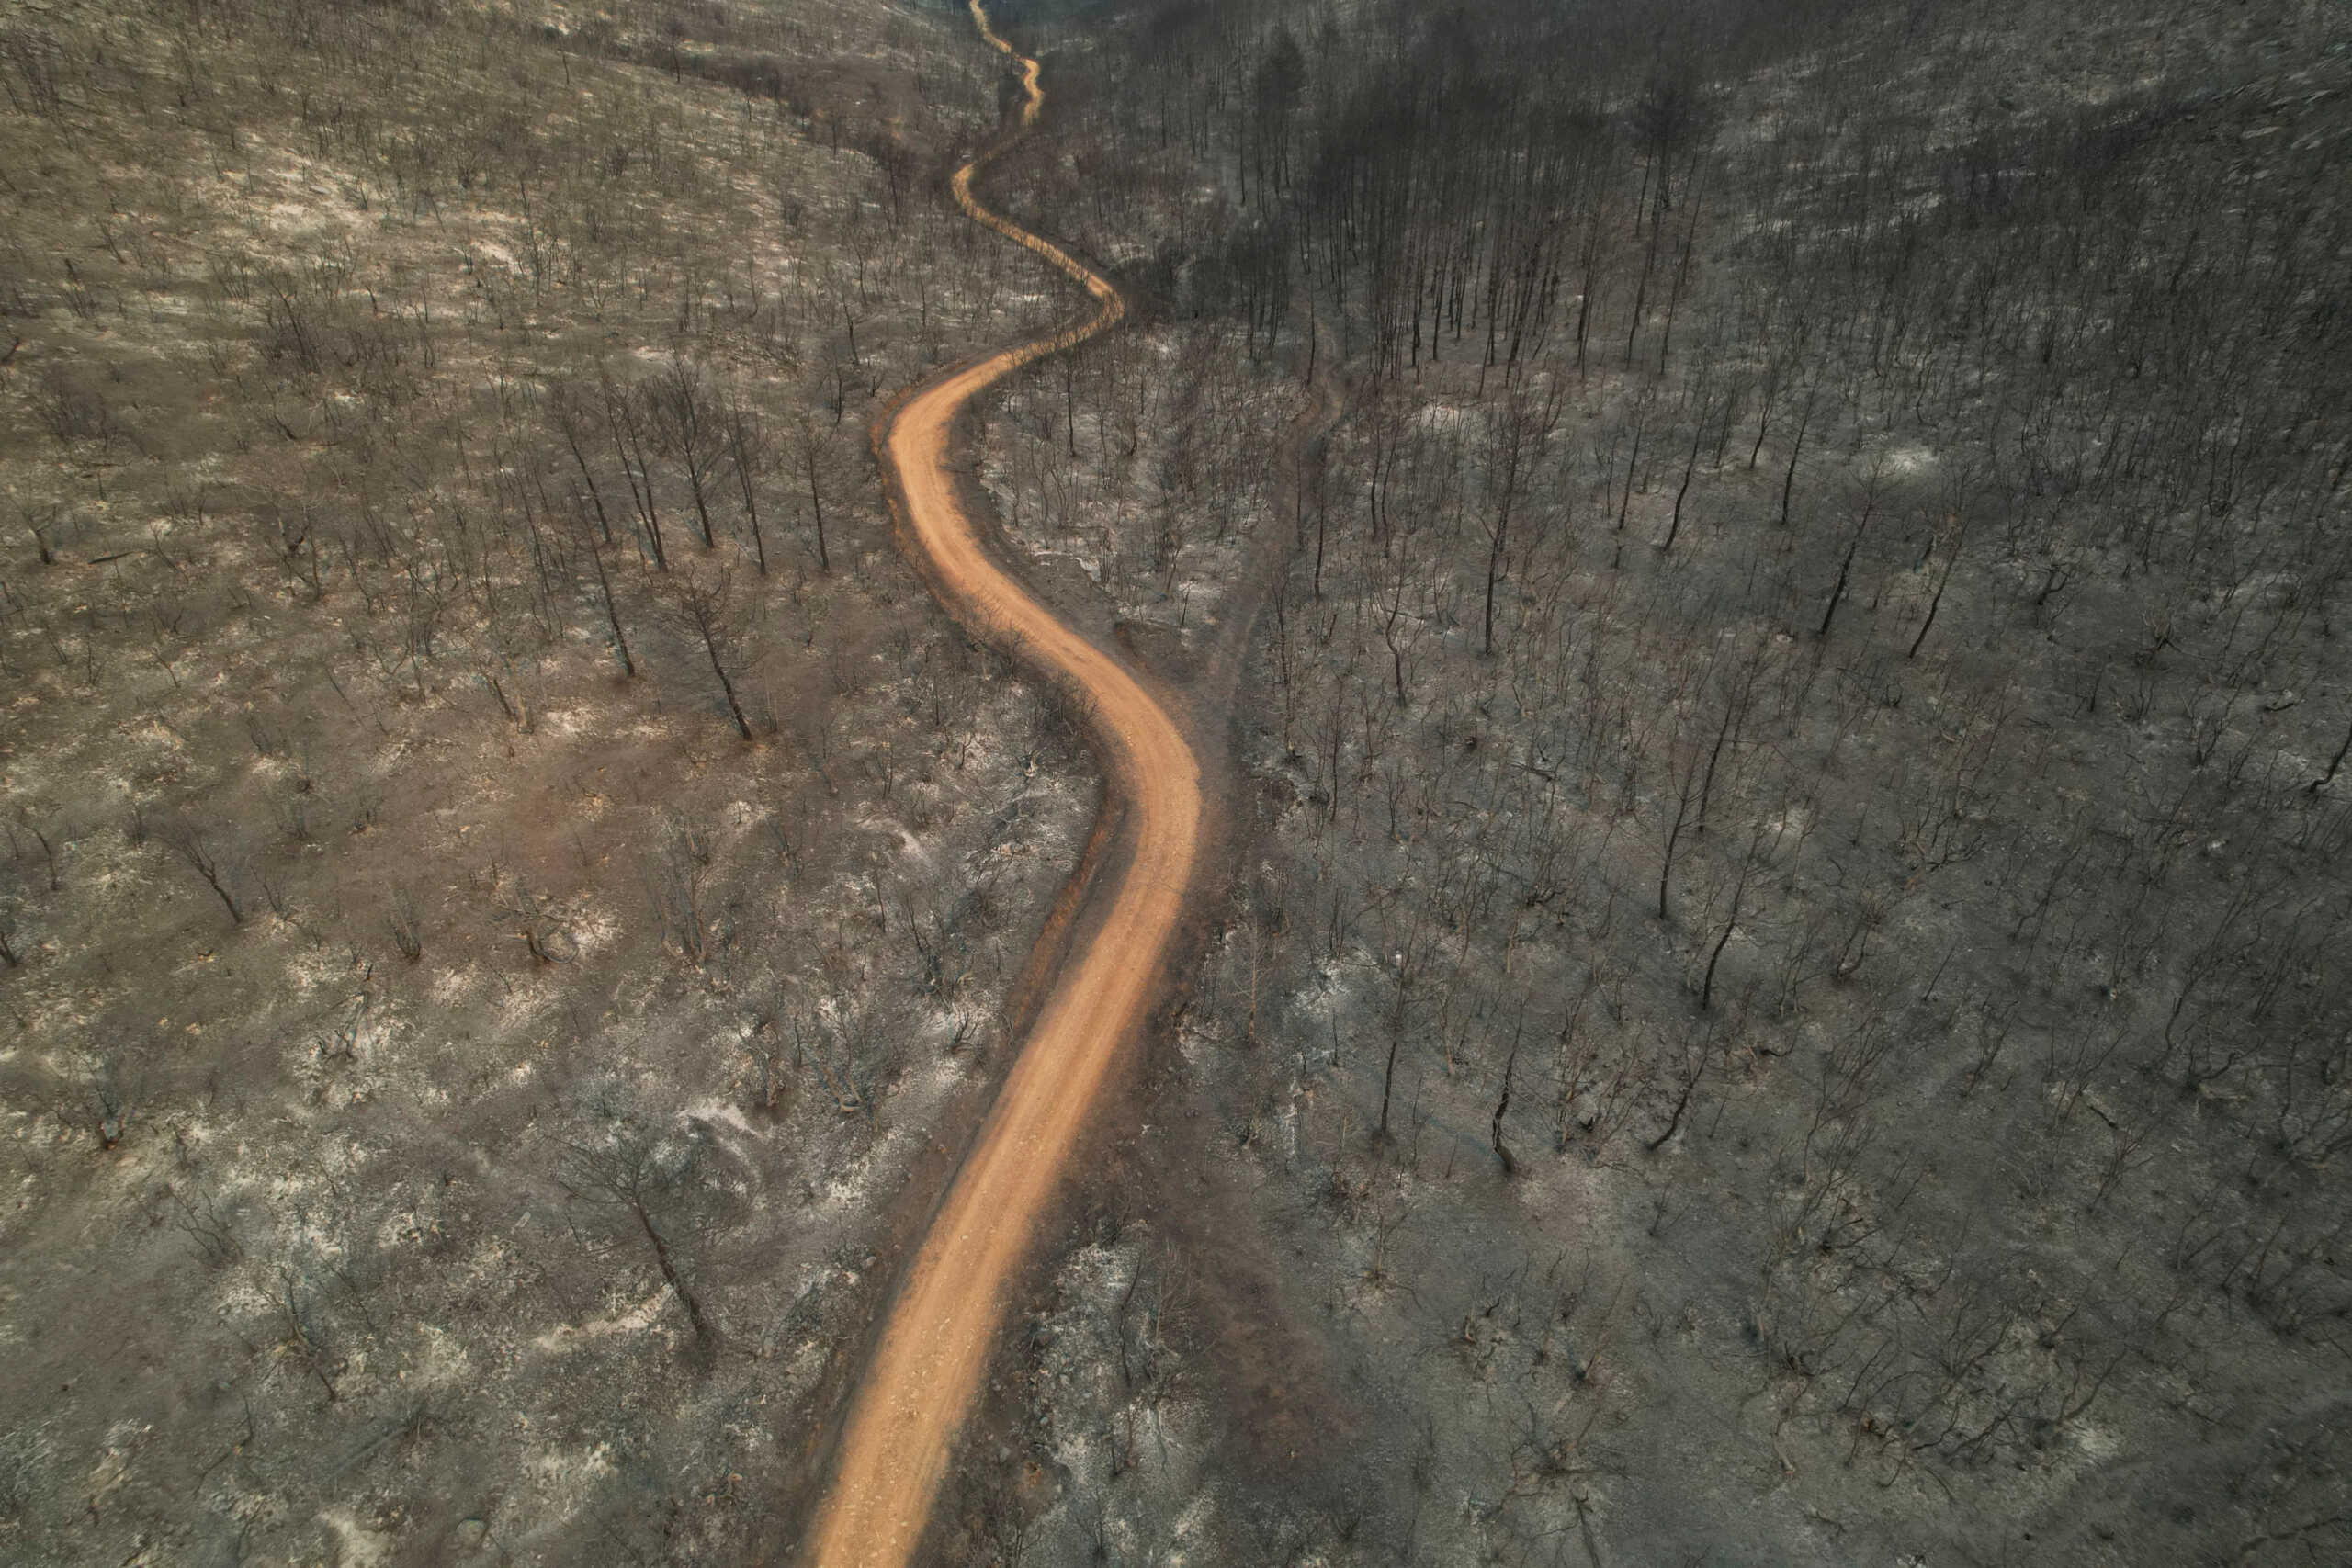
928	1366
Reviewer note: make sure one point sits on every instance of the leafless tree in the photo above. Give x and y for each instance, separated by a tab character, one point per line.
113	1085
406	925
201	853
638	1182
703	601
752	453
809	454
690	428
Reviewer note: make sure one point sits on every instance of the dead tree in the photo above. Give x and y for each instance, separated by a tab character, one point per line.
1523	431
808	447
704	603
646	1185
627	430
572	413
687	428
2335	765
114	1081
596	551
1872	482
751	453
200	855
1731	921
1502	1104
1959	538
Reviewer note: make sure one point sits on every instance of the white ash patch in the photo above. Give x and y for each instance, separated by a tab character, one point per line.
721	1113
522	1003
452	986
356	1546
1453	418
633	1318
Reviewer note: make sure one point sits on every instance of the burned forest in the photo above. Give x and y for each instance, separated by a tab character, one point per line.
1520	781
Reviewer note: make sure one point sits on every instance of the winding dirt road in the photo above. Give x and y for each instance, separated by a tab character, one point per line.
936	1346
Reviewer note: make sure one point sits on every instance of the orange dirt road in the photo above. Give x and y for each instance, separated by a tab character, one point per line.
936	1344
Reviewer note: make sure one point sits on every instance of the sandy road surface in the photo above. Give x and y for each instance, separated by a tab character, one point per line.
928	1366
